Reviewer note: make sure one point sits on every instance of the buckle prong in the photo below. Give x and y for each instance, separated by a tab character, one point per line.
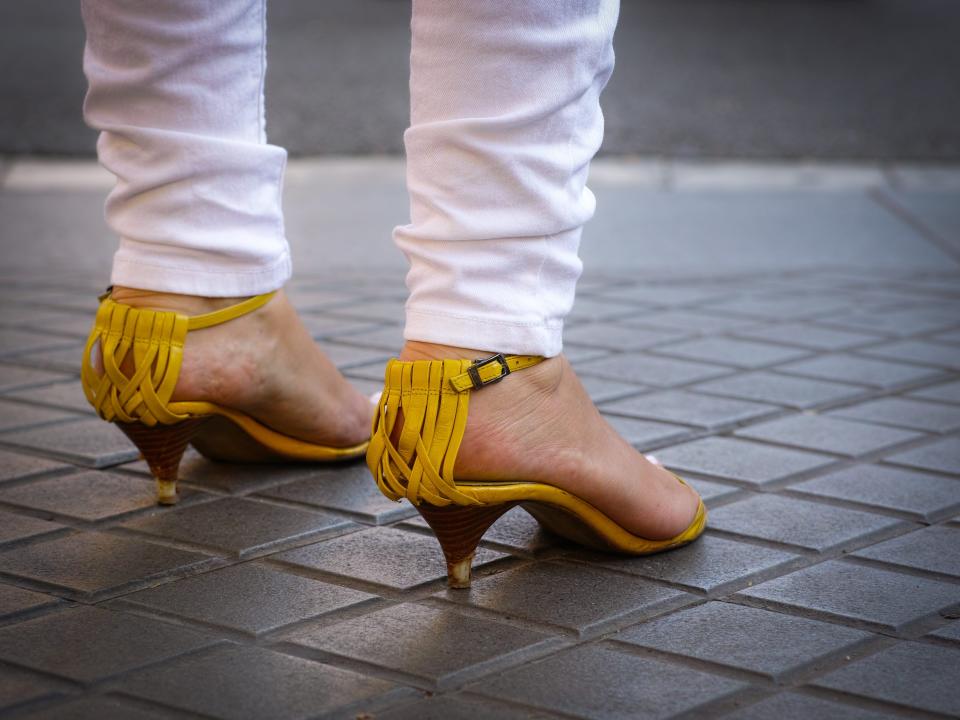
474	370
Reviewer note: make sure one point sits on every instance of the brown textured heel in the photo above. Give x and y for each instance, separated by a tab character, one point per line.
459	529
162	446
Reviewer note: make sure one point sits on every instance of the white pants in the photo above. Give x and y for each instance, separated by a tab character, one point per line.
505	118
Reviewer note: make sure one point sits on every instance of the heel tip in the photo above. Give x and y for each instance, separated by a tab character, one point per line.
167	492
459	573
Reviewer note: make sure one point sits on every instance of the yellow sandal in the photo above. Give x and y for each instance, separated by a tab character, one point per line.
433	396
140	404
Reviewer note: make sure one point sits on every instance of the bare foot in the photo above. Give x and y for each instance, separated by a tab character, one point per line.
540	425
266	365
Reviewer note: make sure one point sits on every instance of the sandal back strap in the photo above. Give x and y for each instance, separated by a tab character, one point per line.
153	341
433	396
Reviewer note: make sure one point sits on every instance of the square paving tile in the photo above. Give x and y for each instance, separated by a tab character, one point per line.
659	295
92	564
836	589
248	597
729	351
13	377
646	433
383	337
99	707
688	321
17	528
934	549
926	496
602	389
941	456
348	489
948	632
916	351
89	496
781	305
90	442
859	370
733	459
88	643
904	412
574	596
66	395
810	525
711	564
649	370
238	526
806	335
455	707
16	601
381	555
793	706
240	683
688	408
517	530
17	465
14	415
431	643
909	674
611	336
712	492
776	645
18	687
609	684
945	392
787	390
828	434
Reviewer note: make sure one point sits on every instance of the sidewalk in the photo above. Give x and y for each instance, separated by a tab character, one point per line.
785	336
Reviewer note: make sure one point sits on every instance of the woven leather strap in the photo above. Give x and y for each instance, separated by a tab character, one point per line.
153	340
433	396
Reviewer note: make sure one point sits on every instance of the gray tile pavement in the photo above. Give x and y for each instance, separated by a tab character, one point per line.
814	401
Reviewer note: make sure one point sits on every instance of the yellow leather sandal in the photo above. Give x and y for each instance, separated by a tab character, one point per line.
151	342
433	398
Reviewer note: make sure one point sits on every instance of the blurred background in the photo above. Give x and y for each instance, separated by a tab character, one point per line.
755	79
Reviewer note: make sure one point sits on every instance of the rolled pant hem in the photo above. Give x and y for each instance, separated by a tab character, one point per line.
206	282
517	338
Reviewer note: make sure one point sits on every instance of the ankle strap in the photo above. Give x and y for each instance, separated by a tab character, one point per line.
487	371
218	317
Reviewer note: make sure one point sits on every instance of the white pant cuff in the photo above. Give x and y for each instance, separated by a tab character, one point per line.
484	334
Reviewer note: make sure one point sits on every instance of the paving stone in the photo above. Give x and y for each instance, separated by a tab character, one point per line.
638	368
578	597
730	351
90	442
903	412
776	645
711	492
733	459
238	526
381	311
688	321
945	392
17	601
781	305
602	389
622	338
656	295
941	456
61	359
903	321
578	354
837	589
646	433
926	496
18	341
75	564
455	707
859	370
90	496
100	707
950	337
66	395
384	337
828	434
380	555
16	528
435	644
910	674
517	530
346	356
248	597
236	683
18	687
347	488
934	549
948	632
792	706
769	387
14	465
689	408
587	309
710	564
916	351
15	378
609	684
89	643
810	525
806	335
324	326
14	415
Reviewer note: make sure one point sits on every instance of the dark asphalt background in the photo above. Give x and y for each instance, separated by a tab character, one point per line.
834	79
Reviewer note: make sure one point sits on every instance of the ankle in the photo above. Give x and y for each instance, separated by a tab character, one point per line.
155	300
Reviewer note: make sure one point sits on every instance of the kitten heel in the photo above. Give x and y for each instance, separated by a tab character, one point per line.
162	446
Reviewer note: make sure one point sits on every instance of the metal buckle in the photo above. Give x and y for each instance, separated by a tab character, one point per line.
474	370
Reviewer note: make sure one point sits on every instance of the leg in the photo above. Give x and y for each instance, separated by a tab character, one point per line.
505	119
176	89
